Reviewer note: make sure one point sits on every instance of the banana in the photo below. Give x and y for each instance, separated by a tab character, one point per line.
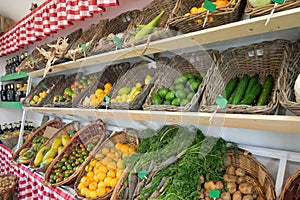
65	138
36	147
23	151
59	149
50	154
46	162
29	154
37	139
56	143
39	156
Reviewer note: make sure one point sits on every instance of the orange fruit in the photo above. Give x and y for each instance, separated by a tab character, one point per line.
221	3
105	150
199	21
93	194
107	189
107	181
99	155
93	163
193	10
111	173
110	155
80	186
85	181
113	182
101	184
111	165
201	9
83	191
106	91
210	19
124	148
108	86
99	91
93	96
98	164
90	174
118	145
119	173
99	176
120	164
93	185
132	149
101	191
103	169
87	193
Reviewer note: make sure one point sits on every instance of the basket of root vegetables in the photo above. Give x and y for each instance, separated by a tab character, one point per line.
7	186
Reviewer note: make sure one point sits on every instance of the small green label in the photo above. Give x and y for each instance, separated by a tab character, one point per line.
71	132
83	47
214	194
118	41
209	6
142	174
278	1
107	99
221	101
44	86
31	59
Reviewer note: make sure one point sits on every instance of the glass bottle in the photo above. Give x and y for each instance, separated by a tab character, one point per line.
25	125
3	93
1	131
9	127
12	92
5	129
7	92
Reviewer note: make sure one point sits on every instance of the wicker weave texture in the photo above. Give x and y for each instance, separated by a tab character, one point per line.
291	190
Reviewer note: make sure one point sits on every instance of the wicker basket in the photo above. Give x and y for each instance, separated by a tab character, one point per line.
222	15
12	141
110	74
196	63
286	82
117	25
50	82
90	38
263	58
8	194
147	15
266	10
256	173
136	74
121	137
73	126
55	123
83	136
291	190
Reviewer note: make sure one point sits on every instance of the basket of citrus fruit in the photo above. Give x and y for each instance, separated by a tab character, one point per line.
96	92
102	173
68	163
189	15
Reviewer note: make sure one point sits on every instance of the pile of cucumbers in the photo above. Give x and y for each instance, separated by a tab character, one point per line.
248	90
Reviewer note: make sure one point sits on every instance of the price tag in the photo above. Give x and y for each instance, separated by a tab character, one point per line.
214	194
83	47
279	1
209	6
31	59
142	174
118	41
71	132
44	86
107	99
221	101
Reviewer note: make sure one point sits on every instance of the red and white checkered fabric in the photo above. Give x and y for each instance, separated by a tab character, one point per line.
48	18
30	183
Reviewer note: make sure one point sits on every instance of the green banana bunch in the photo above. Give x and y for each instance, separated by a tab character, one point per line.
29	154
36	147
37	139
23	151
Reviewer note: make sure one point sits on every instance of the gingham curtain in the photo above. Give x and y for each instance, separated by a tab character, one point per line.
48	18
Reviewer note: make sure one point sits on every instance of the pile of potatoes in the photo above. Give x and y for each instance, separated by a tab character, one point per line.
237	187
7	183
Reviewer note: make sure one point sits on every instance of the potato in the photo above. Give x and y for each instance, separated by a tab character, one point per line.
226	196
219	185
231	187
229	178
241	179
248	197
237	195
261	197
210	185
246	188
240	172
230	170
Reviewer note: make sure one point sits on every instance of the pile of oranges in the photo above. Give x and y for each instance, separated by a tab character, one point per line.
195	10
96	98
103	173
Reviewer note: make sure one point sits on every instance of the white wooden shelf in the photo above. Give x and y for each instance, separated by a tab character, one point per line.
275	123
280	21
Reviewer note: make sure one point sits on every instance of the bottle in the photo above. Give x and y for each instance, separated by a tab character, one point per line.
9	127
17	92
5	129
13	67
25	55
3	93
7	92
12	93
17	61
7	67
25	125
31	127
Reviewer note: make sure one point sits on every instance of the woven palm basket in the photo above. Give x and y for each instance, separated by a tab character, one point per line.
291	190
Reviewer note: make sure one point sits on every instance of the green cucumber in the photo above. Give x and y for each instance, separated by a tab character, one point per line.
266	92
230	100
254	93
230	87
241	89
252	83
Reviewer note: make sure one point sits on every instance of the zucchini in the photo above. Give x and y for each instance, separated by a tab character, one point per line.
254	93
230	100
230	87
266	92
252	83
241	89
